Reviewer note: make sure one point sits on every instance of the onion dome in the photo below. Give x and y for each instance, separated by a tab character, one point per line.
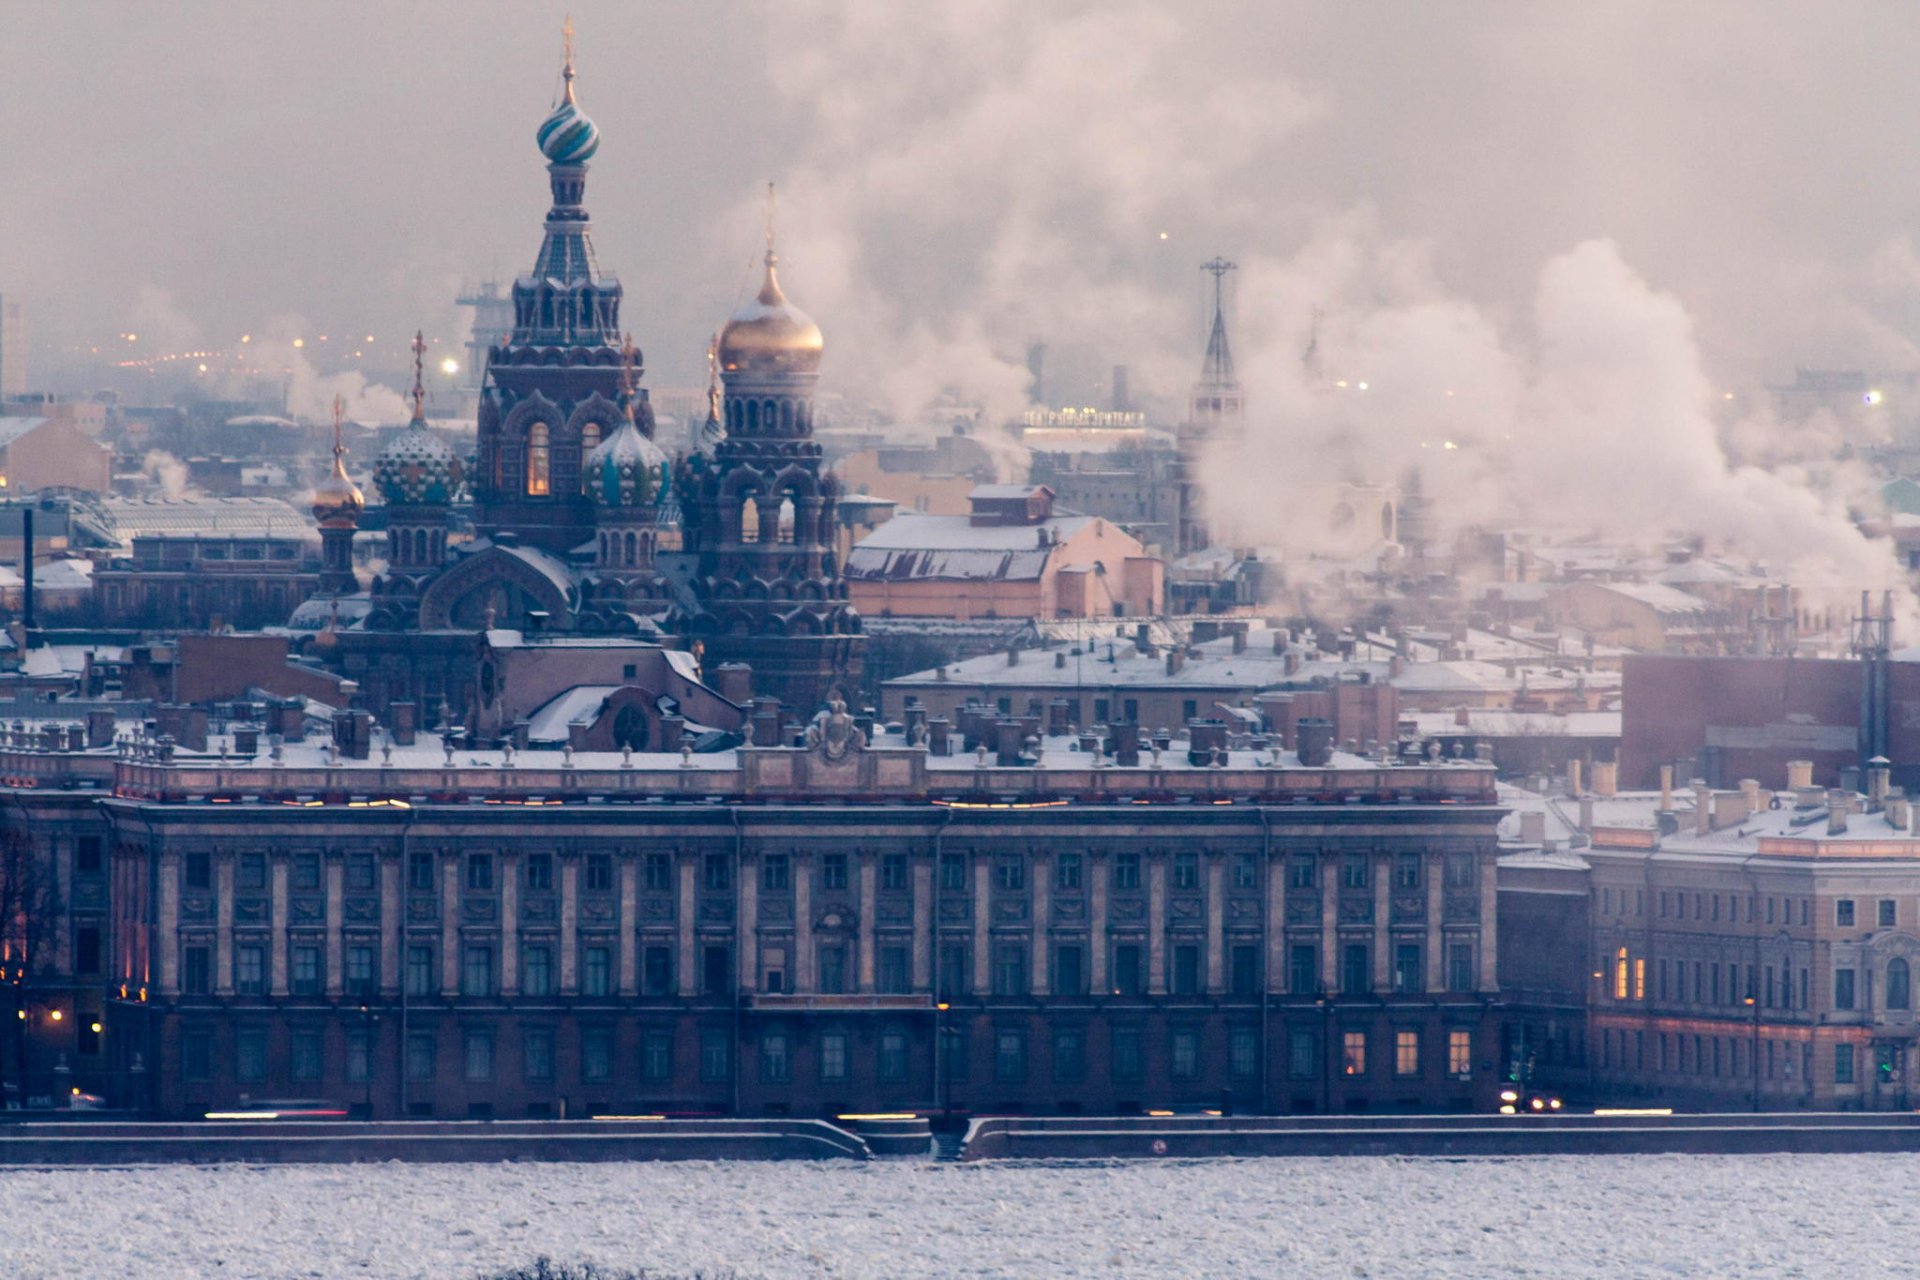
627	469
567	136
417	466
770	334
338	499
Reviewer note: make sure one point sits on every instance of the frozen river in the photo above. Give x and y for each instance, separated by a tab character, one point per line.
1548	1216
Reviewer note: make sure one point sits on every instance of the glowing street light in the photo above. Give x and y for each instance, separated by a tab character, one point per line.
449	366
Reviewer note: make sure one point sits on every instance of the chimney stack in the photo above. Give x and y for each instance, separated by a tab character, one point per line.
1702	808
1799	774
1606	777
1666	788
1839	804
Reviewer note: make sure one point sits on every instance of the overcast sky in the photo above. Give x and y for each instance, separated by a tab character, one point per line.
965	177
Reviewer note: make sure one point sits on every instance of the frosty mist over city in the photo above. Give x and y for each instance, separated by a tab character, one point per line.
868	639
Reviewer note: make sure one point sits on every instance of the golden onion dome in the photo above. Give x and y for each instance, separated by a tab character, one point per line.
770	334
337	497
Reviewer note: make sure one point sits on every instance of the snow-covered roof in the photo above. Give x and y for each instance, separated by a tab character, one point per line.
578	705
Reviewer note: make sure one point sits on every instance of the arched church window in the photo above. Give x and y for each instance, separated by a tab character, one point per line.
749	520
1899	985
753	415
786	519
589	441
538	459
633	550
630	728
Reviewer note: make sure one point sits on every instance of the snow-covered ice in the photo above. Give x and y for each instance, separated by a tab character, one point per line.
1549	1216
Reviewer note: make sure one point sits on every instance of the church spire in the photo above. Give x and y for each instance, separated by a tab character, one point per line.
1217	370
419	376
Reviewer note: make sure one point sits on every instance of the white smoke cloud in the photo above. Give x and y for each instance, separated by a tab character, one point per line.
167	471
310	393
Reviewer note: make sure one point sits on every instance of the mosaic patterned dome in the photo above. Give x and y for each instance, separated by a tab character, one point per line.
417	467
628	470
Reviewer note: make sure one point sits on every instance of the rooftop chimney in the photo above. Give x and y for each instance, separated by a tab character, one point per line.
1702	808
1666	788
1799	774
1606	777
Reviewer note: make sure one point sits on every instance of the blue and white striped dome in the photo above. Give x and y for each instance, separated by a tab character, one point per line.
567	136
628	470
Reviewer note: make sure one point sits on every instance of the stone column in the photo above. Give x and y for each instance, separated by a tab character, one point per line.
392	927
449	924
982	924
629	953
1042	884
1436	866
806	974
1156	923
1097	980
1275	924
923	924
277	919
223	926
1329	925
336	872
167	941
1383	923
689	969
1489	903
746	932
864	859
509	923
569	924
1216	923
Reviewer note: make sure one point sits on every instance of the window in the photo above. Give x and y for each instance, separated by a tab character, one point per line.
657	970
833	970
1300	874
599	872
476	974
1186	871
420	970
1246	871
833	871
1460	967
304	1057
1353	871
199	869
1353	1053
196	1056
719	873
1010	1055
953	873
892	976
716	977
656	1055
1126	871
716	1057
833	1056
359	1057
1620	976
1243	1052
659	869
1406	871
1183	1054
536	970
306	871
250	969
306	971
250	1055
478	1058
893	872
596	1054
253	871
1129	1062
1246	970
1303	1055
1069	973
1126	969
539	871
1066	872
956	974
1889	913
1460	871
1409	971
1843	988
360	875
1303	969
1843	1064
1843	913
420	871
1069	1054
1186	969
196	971
1460	1054
1899	985
1010	969
1356	968
893	1055
596	974
1010	874
480	871
539	476
536	1054
420	1050
1406	1053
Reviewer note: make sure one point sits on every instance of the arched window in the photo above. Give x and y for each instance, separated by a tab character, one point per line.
589	441
749	520
1899	985
786	519
633	547
538	452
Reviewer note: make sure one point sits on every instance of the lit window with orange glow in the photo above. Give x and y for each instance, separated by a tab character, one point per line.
1640	979
538	452
1620	974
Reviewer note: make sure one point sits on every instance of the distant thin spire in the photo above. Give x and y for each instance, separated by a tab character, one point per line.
566	72
339	445
770	294
419	376
713	378
1218	368
629	356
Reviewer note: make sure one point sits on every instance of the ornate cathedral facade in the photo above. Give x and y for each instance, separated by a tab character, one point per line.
585	526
